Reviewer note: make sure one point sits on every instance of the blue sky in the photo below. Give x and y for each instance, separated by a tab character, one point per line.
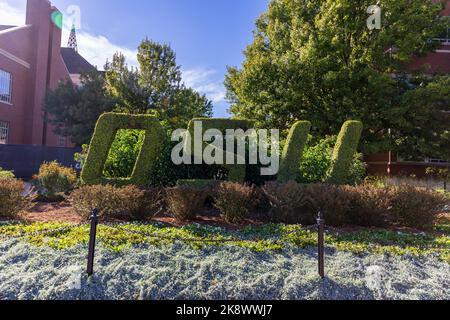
207	35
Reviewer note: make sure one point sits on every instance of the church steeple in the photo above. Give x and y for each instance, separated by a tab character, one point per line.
73	39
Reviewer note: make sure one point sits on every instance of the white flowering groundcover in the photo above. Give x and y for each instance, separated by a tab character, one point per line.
179	271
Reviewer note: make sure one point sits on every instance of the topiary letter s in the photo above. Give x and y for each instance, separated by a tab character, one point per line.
344	151
104	135
293	151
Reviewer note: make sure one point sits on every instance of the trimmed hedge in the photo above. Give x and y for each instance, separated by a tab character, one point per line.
104	135
344	151
293	151
236	173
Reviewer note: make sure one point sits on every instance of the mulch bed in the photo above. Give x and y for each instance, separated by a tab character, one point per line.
61	212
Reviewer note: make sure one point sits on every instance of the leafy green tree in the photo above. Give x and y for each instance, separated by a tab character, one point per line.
160	76
155	88
317	60
74	110
425	127
122	83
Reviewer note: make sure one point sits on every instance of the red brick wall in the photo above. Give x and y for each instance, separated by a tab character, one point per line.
38	44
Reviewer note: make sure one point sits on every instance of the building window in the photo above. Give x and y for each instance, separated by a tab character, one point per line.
62	141
5	87
4	131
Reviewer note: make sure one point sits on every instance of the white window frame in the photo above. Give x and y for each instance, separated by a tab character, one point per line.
62	141
4	132
7	99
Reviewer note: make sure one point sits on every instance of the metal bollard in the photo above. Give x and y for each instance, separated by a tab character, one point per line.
321	244
93	235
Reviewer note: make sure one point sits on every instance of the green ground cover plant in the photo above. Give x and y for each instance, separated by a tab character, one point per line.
264	238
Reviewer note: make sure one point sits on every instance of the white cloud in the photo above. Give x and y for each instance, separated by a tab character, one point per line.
203	81
11	16
94	48
98	48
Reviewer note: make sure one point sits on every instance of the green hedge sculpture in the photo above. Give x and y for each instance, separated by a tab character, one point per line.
236	173
104	135
344	151
293	151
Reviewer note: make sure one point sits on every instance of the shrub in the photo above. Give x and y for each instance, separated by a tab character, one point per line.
54	181
12	200
198	183
123	153
334	204
104	136
234	200
414	207
236	173
287	202
5	174
347	205
185	202
316	163
344	151
113	202
293	151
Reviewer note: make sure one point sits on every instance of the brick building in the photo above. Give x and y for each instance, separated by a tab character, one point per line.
32	62
390	163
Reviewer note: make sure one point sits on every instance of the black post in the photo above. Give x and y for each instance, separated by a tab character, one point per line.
93	235
321	244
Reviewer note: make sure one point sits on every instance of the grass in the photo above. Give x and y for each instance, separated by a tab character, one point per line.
266	238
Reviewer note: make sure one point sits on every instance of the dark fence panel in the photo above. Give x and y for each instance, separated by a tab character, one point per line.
25	160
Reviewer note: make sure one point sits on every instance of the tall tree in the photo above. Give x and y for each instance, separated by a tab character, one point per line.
317	60
74	110
122	83
155	88
160	76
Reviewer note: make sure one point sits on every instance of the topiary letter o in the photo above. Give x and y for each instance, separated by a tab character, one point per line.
104	135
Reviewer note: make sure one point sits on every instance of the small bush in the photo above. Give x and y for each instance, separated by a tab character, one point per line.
112	202
12	200
234	200
414	207
347	205
185	202
5	174
328	199
54	181
316	163
287	202
198	183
